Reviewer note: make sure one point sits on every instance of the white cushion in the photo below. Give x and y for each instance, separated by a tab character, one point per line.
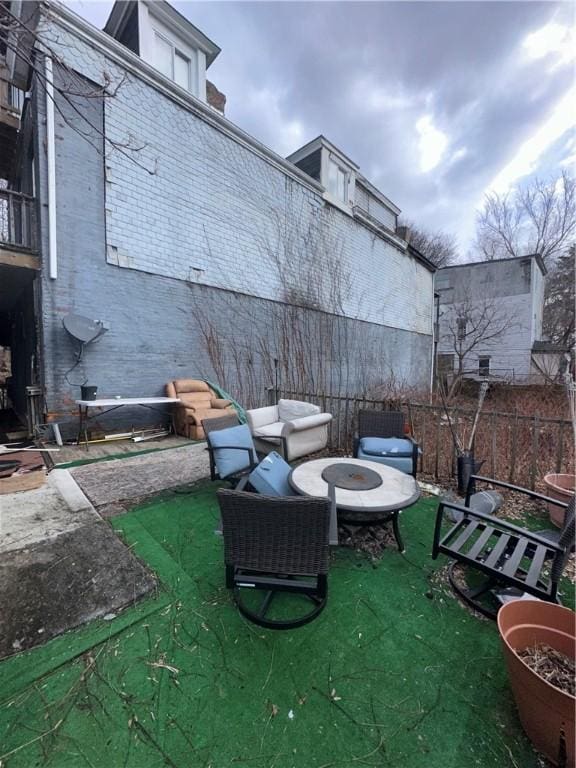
290	410
269	430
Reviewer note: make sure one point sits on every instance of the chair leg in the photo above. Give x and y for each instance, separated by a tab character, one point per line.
471	596
396	529
230	577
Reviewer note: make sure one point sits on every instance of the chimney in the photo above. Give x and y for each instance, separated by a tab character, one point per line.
214	97
404	232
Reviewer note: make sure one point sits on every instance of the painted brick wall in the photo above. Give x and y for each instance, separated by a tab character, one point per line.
514	288
199	205
154	333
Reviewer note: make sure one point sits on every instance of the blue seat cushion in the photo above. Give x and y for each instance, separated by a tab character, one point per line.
396	447
229	460
271	476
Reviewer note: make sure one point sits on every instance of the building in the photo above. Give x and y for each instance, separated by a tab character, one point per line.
131	199
490	320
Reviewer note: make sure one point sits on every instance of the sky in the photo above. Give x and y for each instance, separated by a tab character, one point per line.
439	103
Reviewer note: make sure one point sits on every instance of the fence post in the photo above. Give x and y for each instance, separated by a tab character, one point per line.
534	463
437	458
514	438
493	427
560	447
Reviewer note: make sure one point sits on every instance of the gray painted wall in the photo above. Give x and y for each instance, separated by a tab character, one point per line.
157	323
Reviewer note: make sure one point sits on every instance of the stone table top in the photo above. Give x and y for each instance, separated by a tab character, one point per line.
397	490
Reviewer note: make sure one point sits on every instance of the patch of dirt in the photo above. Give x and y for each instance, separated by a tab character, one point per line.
552	666
369	539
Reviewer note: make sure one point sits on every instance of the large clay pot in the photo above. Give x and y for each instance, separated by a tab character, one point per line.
546	712
559	487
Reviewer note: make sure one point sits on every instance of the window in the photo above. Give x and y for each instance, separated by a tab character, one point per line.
461	328
173	63
337	182
484	366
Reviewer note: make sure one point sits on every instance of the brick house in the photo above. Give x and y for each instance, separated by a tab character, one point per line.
139	204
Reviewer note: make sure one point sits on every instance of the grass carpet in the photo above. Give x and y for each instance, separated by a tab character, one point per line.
393	673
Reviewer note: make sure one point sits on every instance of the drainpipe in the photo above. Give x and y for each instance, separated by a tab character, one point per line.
434	340
51	157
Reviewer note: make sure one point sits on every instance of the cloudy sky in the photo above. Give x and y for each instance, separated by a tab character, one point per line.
438	102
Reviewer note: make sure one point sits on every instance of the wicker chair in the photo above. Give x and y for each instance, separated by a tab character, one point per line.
509	556
388	443
276	545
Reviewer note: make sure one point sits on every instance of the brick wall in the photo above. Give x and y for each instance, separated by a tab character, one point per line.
193	218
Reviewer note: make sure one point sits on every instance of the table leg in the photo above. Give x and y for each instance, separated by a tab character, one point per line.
396	529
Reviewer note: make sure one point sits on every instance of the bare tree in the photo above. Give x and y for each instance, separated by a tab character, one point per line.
559	307
438	247
27	38
539	217
468	326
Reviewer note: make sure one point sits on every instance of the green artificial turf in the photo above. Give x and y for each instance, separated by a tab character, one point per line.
394	672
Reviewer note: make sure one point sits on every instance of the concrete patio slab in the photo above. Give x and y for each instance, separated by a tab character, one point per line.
83	573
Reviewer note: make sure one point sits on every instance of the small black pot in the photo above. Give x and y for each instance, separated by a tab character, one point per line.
466	465
87	392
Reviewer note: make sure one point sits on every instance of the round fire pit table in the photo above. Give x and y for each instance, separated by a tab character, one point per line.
366	492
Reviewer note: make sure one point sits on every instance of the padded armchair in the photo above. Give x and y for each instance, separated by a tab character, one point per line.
381	437
231	450
197	402
275	545
292	427
508	556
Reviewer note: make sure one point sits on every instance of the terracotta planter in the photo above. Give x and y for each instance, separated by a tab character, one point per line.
545	711
559	487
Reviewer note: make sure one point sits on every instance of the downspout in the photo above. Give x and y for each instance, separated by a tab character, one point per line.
51	158
433	366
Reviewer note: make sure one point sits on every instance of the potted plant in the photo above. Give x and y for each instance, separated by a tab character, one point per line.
538	639
466	464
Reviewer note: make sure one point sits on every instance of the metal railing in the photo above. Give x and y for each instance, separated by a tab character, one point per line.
513	447
17	220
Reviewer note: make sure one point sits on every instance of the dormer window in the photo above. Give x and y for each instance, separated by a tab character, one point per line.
337	181
173	63
166	40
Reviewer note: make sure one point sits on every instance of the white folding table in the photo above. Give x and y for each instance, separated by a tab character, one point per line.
112	404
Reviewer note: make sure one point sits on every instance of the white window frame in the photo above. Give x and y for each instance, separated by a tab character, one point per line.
193	63
346	173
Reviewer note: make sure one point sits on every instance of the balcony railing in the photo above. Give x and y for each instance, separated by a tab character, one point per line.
17	220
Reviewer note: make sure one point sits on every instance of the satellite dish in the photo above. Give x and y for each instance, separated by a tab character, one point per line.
82	328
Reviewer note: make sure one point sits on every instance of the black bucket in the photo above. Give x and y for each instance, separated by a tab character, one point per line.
87	392
465	467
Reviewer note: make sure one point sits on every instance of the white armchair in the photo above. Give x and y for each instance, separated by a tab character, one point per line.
295	427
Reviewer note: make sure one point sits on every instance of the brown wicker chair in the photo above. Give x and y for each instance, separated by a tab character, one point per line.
508	556
276	545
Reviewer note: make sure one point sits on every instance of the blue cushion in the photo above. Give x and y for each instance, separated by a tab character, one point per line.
229	460
402	464
386	446
271	476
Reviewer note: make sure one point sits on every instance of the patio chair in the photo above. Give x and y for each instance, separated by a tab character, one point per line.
276	545
507	555
293	427
381	437
231	450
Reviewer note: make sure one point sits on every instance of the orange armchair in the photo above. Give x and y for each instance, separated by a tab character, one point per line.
197	402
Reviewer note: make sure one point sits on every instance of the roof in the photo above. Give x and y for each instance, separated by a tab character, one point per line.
169	16
536	256
430	266
550	347
322	141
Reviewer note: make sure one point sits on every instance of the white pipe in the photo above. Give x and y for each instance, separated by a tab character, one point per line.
433	339
51	157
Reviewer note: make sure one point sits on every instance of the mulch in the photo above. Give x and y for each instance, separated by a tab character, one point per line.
556	668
